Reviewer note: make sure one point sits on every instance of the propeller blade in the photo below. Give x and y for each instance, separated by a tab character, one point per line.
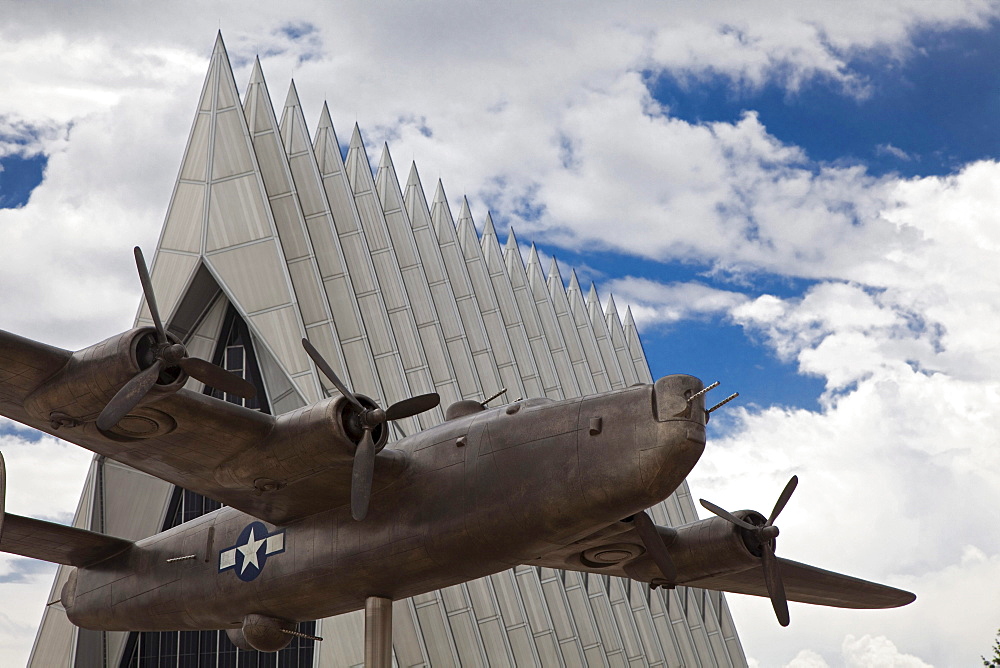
147	292
786	494
728	516
654	545
329	373
775	587
361	476
412	406
129	396
217	377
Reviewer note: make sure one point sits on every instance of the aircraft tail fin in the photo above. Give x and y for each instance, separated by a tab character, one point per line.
53	542
57	543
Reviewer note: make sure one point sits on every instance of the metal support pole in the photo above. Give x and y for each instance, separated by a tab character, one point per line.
378	632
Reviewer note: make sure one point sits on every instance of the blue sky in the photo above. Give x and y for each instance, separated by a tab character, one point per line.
926	114
937	106
18	177
801	203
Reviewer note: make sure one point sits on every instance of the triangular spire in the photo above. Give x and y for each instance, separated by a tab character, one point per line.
635	348
594	301
488	229
554	278
257	73
357	161
505	330
295	135
603	379
614	324
326	144
466	229
611	311
387	183
290	222
414	197
414	278
220	166
604	340
534	263
464	330
441	211
574	283
485	333
558	362
330	257
512	250
383	267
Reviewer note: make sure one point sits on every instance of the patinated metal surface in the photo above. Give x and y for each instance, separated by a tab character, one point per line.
539	482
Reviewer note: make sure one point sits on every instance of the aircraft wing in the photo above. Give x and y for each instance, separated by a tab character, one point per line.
808	584
206	433
24	364
717	567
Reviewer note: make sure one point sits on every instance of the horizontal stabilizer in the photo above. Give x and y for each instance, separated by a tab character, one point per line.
57	543
808	584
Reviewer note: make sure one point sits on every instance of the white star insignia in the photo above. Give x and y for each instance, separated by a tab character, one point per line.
250	550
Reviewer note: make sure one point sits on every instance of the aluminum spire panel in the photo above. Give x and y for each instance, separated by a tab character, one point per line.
220	212
512	293
578	308
336	280
290	223
635	348
367	291
435	341
534	282
600	328
451	280
498	305
390	279
614	324
484	303
587	379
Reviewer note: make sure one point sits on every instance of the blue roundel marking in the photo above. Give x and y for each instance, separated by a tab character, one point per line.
251	551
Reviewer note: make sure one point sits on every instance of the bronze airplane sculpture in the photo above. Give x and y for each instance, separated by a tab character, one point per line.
321	518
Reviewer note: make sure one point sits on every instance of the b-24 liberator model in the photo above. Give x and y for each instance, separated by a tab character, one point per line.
321	518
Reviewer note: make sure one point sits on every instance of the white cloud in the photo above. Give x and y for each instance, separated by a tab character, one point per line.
902	452
879	652
544	110
655	303
807	659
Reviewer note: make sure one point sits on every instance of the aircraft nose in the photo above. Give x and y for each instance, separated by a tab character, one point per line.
677	434
680	397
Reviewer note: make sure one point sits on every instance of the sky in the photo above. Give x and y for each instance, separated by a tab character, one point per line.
798	200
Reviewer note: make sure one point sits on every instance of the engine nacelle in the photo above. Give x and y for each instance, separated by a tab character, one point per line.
714	546
264	634
301	443
79	391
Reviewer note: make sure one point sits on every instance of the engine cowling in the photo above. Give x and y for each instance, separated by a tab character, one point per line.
714	546
301	443
78	392
702	549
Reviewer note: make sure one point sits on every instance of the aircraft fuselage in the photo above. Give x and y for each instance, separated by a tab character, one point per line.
474	496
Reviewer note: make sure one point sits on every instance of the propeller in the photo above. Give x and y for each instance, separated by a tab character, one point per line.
164	355
369	419
765	534
654	545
